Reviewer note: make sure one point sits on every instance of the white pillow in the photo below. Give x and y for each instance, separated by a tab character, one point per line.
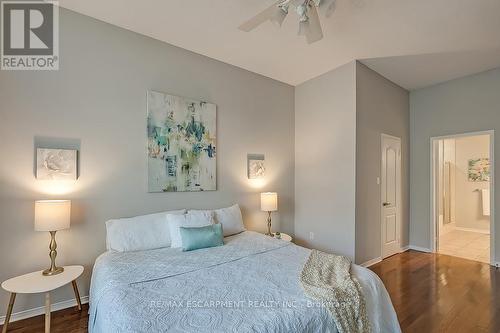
145	232
230	218
195	218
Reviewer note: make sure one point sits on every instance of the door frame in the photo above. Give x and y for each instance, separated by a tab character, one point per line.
434	211
398	194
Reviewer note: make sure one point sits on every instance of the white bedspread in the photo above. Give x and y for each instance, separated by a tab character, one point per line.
251	284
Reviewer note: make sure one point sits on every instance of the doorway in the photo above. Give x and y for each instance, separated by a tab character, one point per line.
462	195
391	195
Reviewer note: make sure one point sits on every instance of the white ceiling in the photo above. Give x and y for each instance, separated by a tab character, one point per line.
359	29
418	71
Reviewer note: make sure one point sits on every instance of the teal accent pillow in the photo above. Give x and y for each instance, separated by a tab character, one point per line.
201	237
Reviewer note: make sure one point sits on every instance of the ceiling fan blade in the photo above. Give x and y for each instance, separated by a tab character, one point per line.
265	15
312	27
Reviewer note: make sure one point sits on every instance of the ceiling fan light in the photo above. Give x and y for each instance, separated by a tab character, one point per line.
284	8
307	10
302	12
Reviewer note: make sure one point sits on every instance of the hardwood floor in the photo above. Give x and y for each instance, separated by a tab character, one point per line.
440	293
64	321
431	293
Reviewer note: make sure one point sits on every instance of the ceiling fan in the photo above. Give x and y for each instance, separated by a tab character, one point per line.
307	11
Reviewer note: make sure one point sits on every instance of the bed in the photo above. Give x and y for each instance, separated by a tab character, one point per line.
251	284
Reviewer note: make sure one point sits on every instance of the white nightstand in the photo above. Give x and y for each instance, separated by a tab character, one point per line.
285	237
34	283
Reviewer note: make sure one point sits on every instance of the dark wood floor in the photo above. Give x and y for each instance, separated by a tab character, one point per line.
439	293
65	321
431	293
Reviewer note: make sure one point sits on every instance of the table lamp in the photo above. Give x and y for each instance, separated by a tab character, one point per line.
269	203
51	216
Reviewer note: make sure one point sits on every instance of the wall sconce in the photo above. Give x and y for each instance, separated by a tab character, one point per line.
255	166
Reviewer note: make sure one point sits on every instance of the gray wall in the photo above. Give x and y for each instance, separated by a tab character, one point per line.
464	105
97	101
325	161
381	107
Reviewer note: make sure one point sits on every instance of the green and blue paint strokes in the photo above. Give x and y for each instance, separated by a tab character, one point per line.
181	144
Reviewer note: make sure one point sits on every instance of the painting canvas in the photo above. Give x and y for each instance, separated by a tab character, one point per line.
56	164
479	170
181	144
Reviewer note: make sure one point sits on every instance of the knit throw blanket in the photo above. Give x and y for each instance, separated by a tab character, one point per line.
326	278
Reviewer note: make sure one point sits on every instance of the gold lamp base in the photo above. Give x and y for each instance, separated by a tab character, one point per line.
269	233
50	272
53	270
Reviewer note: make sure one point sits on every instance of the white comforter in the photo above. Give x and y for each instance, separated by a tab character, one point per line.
251	284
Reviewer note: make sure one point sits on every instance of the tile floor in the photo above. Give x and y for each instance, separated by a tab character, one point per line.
465	244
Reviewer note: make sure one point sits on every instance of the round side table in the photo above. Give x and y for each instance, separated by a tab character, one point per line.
34	283
285	237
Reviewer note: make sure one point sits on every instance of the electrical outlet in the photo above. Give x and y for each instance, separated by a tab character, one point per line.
311	235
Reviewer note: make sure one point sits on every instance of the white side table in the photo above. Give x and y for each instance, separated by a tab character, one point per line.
285	237
34	283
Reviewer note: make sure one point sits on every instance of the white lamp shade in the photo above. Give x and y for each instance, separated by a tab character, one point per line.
269	201
52	215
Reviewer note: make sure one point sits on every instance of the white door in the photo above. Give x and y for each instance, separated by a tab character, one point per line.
391	195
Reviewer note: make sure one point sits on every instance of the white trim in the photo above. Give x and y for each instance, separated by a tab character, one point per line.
379	259
371	262
492	199
41	310
463	135
390	136
433	211
479	231
398	192
419	249
374	261
434	194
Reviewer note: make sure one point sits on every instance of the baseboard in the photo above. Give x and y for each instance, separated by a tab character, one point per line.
418	248
404	249
480	231
371	262
41	310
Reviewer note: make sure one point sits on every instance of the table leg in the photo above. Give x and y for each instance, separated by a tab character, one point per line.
47	312
9	312
77	295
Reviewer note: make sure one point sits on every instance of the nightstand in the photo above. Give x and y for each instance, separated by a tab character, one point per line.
285	237
34	283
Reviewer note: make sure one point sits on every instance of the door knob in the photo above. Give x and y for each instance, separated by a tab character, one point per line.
386	204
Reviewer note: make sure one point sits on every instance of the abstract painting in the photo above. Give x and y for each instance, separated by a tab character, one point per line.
256	167
181	144
479	170
56	164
